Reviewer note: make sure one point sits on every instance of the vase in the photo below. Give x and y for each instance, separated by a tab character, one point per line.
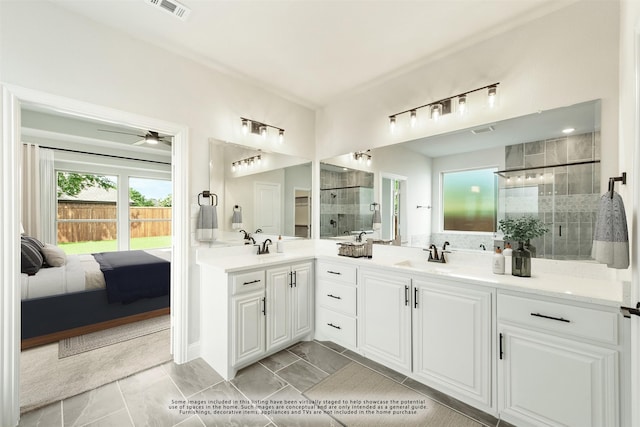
521	261
532	249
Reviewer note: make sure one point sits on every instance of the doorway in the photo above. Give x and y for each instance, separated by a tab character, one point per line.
302	212
393	207
11	158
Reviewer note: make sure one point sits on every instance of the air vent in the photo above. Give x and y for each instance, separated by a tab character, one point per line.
172	7
483	130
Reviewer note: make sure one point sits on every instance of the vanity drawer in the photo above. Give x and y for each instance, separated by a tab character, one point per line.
567	319
335	271
247	282
336	327
336	296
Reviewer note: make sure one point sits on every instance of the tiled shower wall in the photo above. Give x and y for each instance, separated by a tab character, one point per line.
566	197
345	198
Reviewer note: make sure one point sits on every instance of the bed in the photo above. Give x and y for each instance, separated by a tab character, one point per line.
88	293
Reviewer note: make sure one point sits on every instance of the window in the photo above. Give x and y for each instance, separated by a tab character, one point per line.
87	219
149	213
469	200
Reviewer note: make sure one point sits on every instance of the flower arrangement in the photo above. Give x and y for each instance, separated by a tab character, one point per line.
522	229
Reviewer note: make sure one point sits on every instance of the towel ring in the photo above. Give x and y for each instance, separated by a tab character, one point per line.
213	197
612	181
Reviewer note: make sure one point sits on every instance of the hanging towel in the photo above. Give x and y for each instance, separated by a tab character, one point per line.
611	238
236	219
207	225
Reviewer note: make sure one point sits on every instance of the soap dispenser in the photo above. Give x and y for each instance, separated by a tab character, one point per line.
498	261
279	245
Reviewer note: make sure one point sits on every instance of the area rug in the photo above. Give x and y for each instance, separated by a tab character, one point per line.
80	344
44	378
360	397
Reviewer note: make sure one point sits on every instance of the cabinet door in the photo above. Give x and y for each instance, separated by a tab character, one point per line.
452	339
552	381
302	299
384	322
278	307
248	328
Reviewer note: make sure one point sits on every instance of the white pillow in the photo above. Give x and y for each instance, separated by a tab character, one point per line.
53	255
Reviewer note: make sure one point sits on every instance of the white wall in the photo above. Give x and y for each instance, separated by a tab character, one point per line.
566	57
48	49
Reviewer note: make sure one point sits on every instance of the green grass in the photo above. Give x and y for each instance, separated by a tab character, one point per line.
112	245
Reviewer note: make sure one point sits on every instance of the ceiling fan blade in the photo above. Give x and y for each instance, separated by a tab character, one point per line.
123	133
142	141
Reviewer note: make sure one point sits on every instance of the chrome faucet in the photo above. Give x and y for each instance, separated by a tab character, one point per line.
444	246
259	230
264	249
359	236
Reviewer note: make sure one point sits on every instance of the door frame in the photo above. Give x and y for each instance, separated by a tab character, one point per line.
12	98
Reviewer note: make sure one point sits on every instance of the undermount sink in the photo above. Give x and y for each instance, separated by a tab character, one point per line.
424	265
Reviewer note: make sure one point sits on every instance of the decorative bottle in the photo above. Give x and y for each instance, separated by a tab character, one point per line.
507	252
498	261
279	245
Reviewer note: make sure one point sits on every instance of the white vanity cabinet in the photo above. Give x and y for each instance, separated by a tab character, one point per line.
558	363
384	317
289	304
452	336
336	313
249	314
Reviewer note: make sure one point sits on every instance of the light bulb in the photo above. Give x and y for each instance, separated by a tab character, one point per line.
462	104
245	126
233	167
414	118
259	160
263	131
392	123
281	136
492	93
435	112
359	158
368	161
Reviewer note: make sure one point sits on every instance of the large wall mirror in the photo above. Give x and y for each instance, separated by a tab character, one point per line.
260	190
455	187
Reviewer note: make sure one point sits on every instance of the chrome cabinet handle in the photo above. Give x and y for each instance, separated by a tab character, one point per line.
559	319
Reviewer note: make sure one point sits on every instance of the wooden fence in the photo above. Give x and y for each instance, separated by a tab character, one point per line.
96	221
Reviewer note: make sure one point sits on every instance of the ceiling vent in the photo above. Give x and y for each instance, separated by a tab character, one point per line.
483	130
172	7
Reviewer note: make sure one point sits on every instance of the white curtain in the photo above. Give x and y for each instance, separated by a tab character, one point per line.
48	197
38	193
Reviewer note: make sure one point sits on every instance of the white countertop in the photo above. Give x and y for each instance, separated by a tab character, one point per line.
573	280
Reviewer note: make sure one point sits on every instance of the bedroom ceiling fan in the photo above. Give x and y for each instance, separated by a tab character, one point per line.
151	137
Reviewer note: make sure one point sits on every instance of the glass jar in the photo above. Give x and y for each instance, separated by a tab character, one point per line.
521	261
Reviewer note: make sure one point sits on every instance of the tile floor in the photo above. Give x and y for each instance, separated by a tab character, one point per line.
144	398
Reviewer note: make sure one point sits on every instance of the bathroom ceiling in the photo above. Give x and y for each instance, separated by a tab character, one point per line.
314	51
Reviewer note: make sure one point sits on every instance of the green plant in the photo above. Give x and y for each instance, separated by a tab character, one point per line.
522	228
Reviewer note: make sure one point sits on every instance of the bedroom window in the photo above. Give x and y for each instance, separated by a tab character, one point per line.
469	200
149	213
87	218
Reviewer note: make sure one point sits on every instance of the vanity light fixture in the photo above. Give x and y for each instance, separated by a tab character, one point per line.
444	106
246	163
362	156
260	128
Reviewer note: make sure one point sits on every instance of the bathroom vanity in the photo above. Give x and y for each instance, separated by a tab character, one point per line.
545	350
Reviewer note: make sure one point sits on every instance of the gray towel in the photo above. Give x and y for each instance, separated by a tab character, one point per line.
236	219
207	225
611	238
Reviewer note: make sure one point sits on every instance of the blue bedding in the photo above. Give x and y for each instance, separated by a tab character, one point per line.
132	275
